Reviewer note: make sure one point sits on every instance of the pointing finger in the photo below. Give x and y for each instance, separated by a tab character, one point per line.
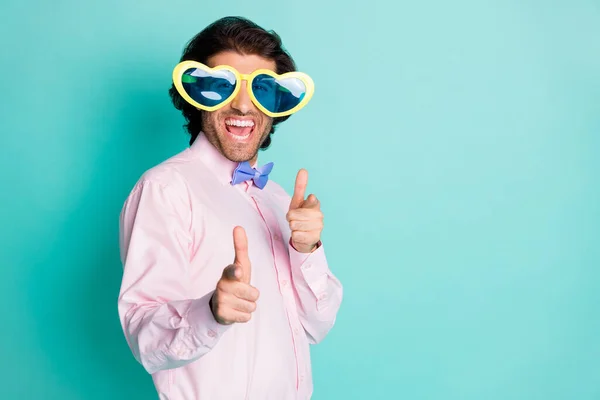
299	189
240	244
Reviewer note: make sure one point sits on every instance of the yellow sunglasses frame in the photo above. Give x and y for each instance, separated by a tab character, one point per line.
183	66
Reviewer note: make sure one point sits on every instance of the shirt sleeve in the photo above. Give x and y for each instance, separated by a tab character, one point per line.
318	292
164	327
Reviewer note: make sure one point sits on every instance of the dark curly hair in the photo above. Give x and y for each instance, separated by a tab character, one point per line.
231	34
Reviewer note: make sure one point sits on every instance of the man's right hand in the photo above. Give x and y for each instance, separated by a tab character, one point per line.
234	300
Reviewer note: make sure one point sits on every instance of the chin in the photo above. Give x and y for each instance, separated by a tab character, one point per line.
239	152
239	137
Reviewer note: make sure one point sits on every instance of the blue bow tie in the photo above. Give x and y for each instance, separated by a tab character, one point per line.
245	172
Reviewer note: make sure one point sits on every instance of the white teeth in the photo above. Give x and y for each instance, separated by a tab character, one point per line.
239	122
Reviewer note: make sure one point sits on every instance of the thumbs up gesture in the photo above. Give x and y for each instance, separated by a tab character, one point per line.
304	216
234	300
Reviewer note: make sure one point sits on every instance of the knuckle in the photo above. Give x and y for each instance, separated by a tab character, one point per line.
221	315
244	317
249	295
221	305
227	314
244	294
218	304
240	291
223	288
228	301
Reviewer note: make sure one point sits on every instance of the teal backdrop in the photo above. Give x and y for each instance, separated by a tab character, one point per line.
454	147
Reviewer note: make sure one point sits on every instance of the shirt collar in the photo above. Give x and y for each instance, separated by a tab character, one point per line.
221	166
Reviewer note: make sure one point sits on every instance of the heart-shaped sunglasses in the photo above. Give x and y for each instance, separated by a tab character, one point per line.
212	88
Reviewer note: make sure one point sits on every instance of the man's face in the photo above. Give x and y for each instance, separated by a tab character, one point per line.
238	129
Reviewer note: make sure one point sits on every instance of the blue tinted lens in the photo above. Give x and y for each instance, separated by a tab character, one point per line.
208	88
278	95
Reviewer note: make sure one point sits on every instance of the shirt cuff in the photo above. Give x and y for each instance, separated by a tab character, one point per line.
311	268
207	329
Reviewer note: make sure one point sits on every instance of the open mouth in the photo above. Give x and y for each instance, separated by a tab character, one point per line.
239	129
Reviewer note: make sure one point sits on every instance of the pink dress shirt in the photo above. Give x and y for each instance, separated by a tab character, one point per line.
176	237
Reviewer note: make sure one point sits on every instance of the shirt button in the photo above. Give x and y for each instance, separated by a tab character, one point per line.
277	237
301	378
212	333
323	296
284	282
307	266
296	331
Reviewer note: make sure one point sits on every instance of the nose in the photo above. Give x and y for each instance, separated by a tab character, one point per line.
242	101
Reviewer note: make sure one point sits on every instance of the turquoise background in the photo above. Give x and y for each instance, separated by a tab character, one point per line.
453	146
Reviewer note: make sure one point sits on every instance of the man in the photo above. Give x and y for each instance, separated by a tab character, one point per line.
225	279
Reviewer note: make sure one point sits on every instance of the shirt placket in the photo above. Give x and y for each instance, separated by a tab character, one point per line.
279	251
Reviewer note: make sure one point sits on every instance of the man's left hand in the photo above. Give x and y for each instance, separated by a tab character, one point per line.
304	216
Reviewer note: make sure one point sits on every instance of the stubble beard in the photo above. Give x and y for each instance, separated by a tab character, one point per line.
234	152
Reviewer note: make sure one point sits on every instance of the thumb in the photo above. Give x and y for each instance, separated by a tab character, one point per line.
240	244
312	202
299	189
